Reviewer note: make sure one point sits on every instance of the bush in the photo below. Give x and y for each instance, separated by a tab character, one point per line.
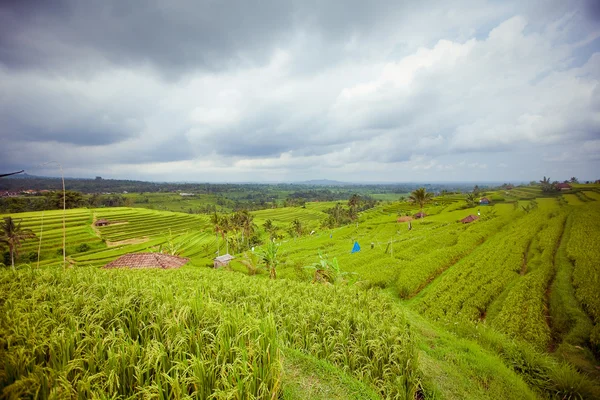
82	248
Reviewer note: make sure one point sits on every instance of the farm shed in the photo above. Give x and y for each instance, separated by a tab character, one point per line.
405	219
563	186
469	218
222	261
484	200
419	215
147	260
102	222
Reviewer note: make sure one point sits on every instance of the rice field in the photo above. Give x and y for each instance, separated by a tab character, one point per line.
526	270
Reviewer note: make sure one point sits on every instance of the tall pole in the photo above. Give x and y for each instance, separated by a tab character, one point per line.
62	175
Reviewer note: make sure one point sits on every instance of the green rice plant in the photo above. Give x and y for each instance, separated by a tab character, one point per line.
583	251
198	333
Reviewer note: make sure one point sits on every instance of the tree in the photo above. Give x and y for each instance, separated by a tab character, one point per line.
470	198
11	235
296	227
354	201
216	221
547	185
574	180
268	256
420	197
270	228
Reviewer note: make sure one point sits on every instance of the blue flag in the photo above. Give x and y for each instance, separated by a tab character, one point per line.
356	247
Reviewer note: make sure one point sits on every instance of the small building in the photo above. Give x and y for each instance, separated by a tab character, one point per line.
484	201
102	222
222	261
563	186
405	218
148	260
469	218
419	215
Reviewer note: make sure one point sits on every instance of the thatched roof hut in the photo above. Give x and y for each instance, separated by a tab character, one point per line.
405	218
102	222
148	260
419	215
222	261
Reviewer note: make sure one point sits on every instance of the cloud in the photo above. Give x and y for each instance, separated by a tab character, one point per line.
288	89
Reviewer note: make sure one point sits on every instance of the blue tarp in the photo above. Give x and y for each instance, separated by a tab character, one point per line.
355	248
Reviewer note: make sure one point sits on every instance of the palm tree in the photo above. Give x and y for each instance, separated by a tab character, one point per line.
354	201
11	235
296	227
470	198
420	197
225	226
216	221
268	255
546	184
270	228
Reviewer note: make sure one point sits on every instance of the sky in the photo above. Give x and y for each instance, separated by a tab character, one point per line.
273	90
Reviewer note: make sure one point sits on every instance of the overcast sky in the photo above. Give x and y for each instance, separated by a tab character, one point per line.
279	90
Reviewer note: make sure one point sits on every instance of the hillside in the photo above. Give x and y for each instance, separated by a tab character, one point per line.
504	307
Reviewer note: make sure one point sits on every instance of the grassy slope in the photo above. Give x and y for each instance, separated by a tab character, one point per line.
451	363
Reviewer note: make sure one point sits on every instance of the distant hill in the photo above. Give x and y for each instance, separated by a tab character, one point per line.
324	182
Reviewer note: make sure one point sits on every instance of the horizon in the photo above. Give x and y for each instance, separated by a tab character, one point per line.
386	92
321	181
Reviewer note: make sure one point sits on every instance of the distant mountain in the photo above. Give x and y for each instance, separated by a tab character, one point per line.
323	182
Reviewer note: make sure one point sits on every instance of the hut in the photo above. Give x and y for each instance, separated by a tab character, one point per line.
222	261
484	201
563	186
405	218
102	222
419	215
469	218
147	260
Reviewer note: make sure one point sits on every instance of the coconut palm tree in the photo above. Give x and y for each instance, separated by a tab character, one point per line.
11	235
546	184
421	197
296	227
216	221
470	198
270	228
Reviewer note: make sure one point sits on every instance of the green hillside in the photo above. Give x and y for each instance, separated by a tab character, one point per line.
506	306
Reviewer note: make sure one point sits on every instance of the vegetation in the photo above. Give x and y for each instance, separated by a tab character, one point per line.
11	235
420	197
503	307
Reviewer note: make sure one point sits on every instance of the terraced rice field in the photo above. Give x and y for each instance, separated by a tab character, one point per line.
284	216
528	270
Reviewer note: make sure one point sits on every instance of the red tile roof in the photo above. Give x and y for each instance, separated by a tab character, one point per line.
147	260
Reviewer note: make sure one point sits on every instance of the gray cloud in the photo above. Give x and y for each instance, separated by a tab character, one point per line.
339	88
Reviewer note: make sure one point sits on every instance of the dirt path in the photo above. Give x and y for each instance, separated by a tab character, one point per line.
525	254
96	231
